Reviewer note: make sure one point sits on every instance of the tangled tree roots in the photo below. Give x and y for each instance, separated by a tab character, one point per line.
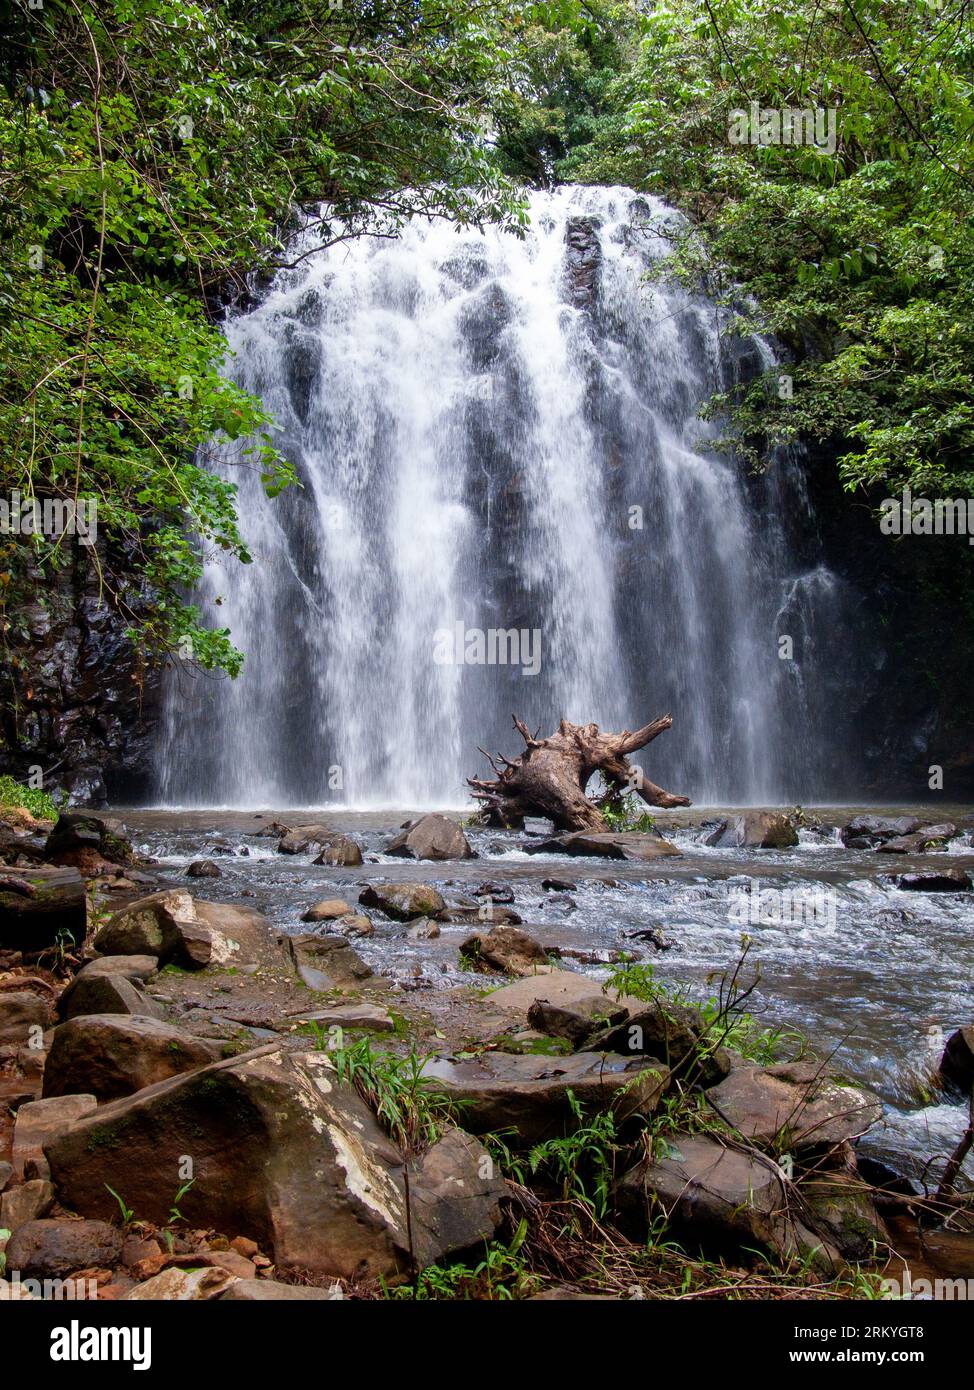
549	778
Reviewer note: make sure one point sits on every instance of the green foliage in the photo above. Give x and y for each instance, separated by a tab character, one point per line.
127	1214
860	260
38	803
409	1105
626	814
500	1276
723	1020
153	153
581	1163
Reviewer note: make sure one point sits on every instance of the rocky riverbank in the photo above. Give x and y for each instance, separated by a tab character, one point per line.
196	1103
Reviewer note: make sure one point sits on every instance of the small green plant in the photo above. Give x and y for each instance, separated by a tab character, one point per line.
408	1104
127	1213
60	955
501	1275
38	803
581	1163
174	1213
4	1237
625	814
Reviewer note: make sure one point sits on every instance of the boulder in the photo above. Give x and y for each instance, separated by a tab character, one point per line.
287	1155
340	852
355	924
153	926
174	928
866	832
756	830
718	1200
793	1106
41	1120
577	1019
497	892
76	831
105	994
403	901
635	846
139	969
671	1032
204	868
110	1055
530	1095
50	1249
957	1062
326	910
24	1015
505	949
927	839
301	838
28	1201
936	881
431	837
455	1194
841	1207
39	903
325	962
423	929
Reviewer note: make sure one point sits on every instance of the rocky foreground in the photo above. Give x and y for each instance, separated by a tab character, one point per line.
195	1106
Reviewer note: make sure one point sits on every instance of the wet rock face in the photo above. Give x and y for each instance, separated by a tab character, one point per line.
92	709
583	260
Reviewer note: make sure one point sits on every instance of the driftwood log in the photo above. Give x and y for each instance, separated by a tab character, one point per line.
550	776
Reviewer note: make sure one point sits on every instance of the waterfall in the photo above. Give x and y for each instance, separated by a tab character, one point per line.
500	435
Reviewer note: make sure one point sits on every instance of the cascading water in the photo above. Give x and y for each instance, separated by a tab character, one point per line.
502	434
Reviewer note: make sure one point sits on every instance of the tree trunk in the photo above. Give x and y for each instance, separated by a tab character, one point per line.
549	778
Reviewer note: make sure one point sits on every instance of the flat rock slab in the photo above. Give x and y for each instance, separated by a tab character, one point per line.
793	1106
368	1016
561	987
529	1094
632	845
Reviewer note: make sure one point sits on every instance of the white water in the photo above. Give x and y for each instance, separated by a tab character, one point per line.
473	427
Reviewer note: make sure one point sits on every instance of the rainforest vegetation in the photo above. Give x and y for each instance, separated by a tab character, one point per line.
155	154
